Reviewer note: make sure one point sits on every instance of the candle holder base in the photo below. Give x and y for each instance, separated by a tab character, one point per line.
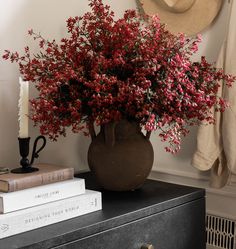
24	170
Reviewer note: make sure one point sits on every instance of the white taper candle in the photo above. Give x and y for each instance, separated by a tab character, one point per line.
23	108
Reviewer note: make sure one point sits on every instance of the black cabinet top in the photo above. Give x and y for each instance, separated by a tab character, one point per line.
118	208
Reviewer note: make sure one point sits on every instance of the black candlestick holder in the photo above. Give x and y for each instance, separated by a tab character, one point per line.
26	165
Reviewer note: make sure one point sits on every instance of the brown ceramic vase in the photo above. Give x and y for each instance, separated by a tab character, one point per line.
120	156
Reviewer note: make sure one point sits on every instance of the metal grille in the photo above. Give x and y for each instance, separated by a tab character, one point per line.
220	232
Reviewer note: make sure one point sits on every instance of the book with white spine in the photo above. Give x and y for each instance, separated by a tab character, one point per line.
39	216
30	197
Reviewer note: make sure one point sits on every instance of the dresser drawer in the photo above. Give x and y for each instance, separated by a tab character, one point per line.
168	216
181	227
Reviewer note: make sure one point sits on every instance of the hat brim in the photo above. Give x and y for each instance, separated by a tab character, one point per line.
190	22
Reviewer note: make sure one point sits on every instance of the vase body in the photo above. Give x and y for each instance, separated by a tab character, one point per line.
120	156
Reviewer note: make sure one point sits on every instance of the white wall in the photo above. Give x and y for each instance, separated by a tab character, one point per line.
48	17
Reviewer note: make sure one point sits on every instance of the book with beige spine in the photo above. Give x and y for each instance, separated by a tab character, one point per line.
47	173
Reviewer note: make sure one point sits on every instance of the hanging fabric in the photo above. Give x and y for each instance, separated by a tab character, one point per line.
216	144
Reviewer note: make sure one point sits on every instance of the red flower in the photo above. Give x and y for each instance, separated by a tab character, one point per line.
111	69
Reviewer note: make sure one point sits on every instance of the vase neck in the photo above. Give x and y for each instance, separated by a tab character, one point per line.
120	130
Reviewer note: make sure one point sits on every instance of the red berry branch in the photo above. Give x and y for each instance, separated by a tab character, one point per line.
110	69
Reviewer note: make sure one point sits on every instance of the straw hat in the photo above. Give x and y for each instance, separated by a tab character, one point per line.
186	16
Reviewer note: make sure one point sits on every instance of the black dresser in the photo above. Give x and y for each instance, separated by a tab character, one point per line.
157	216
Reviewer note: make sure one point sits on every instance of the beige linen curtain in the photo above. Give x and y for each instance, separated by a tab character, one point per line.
216	144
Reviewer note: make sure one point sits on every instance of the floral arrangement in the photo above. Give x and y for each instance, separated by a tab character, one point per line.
108	69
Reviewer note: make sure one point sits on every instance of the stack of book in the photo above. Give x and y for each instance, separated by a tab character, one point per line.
48	196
